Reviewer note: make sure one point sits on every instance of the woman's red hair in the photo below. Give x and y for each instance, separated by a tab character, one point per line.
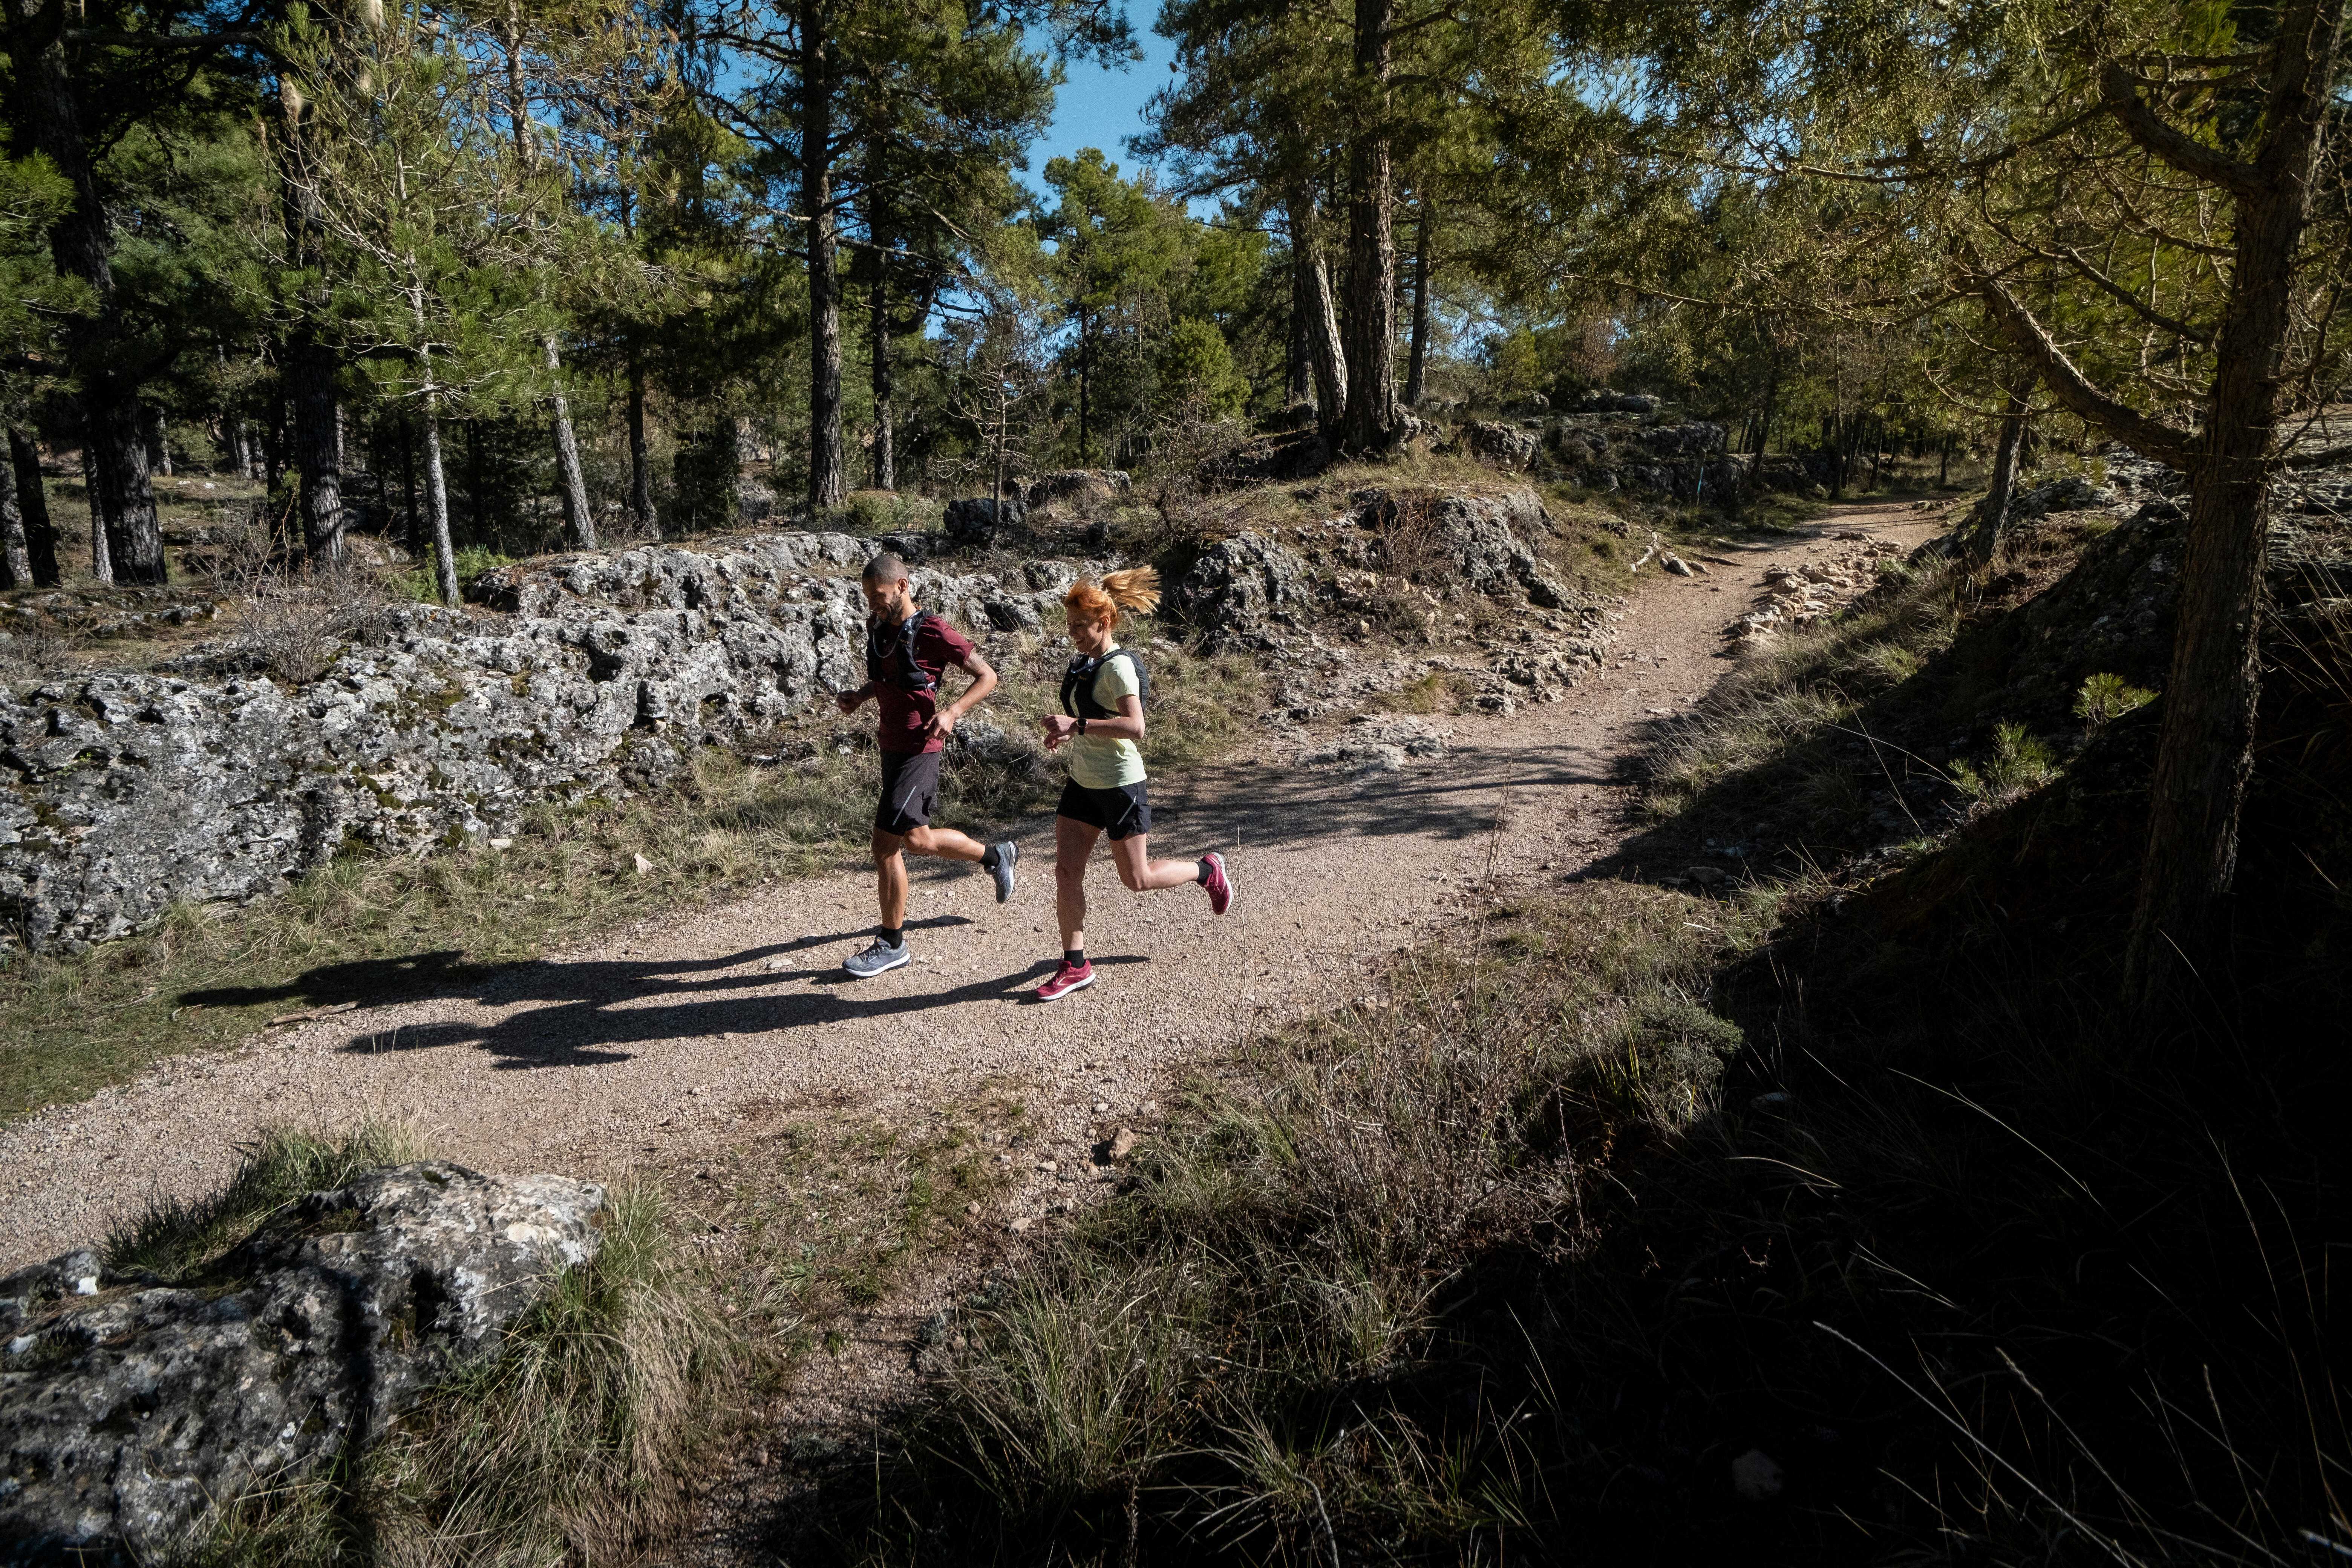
1136	588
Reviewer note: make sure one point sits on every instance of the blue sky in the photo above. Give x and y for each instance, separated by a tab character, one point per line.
1098	108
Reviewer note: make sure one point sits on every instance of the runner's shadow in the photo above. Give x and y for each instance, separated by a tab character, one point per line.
581	1027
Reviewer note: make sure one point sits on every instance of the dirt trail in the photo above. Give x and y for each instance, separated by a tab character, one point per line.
663	1040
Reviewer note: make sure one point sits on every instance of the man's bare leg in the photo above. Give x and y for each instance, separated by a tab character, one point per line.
890	851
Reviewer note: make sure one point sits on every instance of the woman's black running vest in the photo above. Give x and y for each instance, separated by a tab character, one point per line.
1079	684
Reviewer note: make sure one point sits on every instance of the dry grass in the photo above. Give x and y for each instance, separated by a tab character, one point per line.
1235	1354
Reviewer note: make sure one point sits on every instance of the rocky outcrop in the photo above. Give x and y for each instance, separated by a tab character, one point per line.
1080	485
121	793
129	1407
1432	536
1505	444
975	523
1243	593
1418	547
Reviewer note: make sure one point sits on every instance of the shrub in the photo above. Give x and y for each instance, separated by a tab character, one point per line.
2105	698
2020	762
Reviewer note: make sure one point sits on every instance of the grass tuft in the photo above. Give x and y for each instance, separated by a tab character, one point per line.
175	1238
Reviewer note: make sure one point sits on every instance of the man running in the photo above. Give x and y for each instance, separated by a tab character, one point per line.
907	651
1103	695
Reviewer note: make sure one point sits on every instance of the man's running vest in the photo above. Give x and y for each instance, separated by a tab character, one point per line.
891	655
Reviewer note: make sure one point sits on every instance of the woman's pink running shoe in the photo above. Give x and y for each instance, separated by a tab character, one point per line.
1069	977
1220	886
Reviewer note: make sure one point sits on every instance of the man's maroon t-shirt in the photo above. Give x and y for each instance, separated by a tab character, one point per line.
938	646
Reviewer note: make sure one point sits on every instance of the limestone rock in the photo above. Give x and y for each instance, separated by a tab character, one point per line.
1079	484
1242	592
130	791
1511	447
978	521
126	1416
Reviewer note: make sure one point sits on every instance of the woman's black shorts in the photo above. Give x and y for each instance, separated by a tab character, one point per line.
1122	813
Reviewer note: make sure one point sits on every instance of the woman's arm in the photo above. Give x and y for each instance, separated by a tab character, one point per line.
1127	726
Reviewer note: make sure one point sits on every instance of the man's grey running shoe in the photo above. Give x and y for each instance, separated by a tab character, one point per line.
1006	853
877	958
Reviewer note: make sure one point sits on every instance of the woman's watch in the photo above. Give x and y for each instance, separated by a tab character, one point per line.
1082	726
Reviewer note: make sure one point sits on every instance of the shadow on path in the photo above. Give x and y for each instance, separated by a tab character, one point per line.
595	1007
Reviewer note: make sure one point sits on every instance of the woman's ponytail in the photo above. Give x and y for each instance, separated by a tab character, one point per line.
1137	589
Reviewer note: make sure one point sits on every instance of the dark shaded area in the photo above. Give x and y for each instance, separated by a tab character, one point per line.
1983	1275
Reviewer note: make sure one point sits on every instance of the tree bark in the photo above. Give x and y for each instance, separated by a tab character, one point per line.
101	560
317	450
33	502
885	476
15	547
1299	353
163	444
1992	512
1417	366
436	504
825	481
577	518
1371	424
1322	321
641	471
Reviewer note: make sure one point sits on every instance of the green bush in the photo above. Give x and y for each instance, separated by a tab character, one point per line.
2020	762
2105	698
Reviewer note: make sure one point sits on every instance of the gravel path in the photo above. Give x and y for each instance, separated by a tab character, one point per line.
659	1042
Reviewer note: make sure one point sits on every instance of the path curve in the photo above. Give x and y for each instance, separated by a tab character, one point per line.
664	1039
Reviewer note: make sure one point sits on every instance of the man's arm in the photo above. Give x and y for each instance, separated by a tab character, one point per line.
983	681
851	701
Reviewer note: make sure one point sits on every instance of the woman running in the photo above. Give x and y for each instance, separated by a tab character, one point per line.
1103	695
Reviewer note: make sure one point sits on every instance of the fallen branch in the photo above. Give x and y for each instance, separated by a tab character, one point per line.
310	1013
1646	553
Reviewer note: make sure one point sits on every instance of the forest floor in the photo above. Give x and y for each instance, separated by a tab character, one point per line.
681	1036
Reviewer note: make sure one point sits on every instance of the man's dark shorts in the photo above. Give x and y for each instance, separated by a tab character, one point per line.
1122	813
910	791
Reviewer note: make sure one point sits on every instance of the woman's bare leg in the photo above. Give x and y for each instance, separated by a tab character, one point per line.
1073	843
1141	874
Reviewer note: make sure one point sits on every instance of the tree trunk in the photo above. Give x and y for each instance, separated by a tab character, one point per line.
641	472
1417	366
316	449
1322	322
163	444
33	502
1299	353
824	481
15	547
436	500
1371	422
2206	752
1992	512
573	488
101	560
885	476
